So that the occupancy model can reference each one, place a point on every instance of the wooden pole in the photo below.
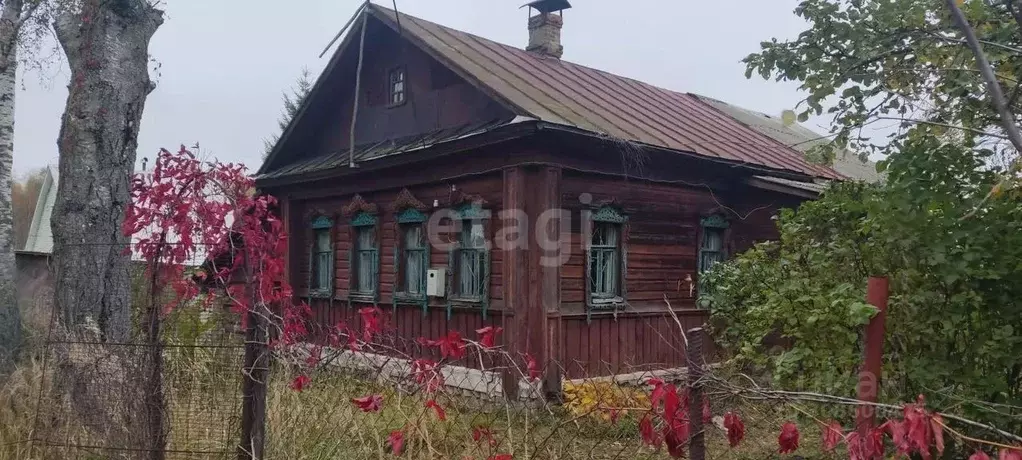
(869, 376)
(694, 358)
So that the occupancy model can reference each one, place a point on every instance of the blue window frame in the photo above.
(605, 260)
(712, 248)
(365, 257)
(321, 258)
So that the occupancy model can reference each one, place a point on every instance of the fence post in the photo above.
(255, 374)
(869, 376)
(694, 360)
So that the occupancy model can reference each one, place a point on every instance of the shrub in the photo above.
(951, 245)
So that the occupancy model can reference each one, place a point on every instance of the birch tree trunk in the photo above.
(10, 317)
(106, 43)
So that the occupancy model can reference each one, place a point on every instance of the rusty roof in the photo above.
(561, 92)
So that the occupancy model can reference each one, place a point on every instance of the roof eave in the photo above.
(503, 133)
(752, 168)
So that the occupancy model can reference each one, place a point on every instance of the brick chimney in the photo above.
(545, 27)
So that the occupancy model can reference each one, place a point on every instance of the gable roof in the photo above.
(40, 237)
(800, 138)
(564, 94)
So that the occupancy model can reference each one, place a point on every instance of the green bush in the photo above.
(953, 253)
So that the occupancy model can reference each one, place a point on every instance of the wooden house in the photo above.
(560, 202)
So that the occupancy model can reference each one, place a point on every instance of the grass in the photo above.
(320, 422)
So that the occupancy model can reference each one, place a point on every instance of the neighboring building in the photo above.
(33, 260)
(40, 237)
(461, 142)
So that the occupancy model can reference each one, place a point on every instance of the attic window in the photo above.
(396, 83)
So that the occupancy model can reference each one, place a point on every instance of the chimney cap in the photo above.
(548, 6)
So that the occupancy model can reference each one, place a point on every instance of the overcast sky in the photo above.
(224, 63)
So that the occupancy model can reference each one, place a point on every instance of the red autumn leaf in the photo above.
(1009, 454)
(676, 433)
(897, 430)
(397, 441)
(452, 346)
(937, 426)
(530, 364)
(500, 457)
(615, 414)
(488, 335)
(315, 356)
(672, 404)
(427, 373)
(371, 403)
(300, 382)
(918, 431)
(735, 428)
(440, 412)
(648, 432)
(979, 455)
(869, 448)
(480, 434)
(788, 439)
(832, 435)
(707, 414)
(371, 317)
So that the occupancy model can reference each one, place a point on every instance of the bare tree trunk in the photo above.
(106, 43)
(10, 317)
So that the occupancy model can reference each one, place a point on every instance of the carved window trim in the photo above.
(615, 222)
(321, 223)
(409, 213)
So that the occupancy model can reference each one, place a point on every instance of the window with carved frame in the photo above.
(321, 258)
(365, 257)
(605, 259)
(470, 255)
(712, 249)
(411, 255)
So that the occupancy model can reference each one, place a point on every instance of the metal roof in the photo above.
(375, 150)
(800, 138)
(560, 92)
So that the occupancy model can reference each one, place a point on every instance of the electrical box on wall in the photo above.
(436, 281)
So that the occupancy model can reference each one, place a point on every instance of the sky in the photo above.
(221, 65)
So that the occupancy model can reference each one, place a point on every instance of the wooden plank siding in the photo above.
(663, 231)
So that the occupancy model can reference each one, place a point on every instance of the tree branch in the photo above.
(996, 94)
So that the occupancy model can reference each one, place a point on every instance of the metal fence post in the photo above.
(694, 360)
(869, 376)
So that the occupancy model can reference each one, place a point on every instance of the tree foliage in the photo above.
(954, 258)
(292, 102)
(900, 63)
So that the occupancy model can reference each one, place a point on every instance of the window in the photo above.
(396, 83)
(412, 257)
(470, 257)
(605, 259)
(365, 260)
(321, 258)
(711, 248)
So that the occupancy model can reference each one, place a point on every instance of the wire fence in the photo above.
(212, 384)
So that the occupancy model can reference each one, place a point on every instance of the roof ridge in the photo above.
(557, 91)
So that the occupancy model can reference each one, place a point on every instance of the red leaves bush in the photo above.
(788, 439)
(735, 428)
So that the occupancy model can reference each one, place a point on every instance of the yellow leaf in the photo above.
(788, 117)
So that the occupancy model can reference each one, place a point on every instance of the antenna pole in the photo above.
(358, 85)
